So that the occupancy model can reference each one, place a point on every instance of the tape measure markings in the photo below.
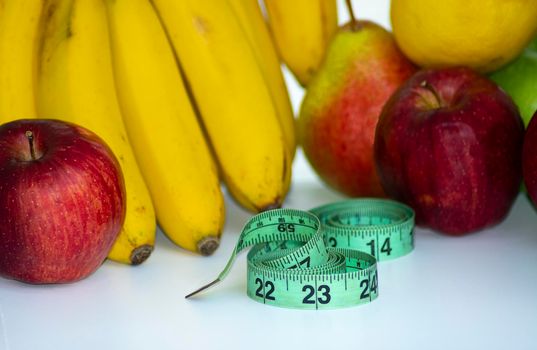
(317, 259)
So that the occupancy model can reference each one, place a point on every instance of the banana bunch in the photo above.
(187, 94)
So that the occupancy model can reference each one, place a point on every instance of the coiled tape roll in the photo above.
(324, 258)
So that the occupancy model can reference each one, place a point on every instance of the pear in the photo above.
(362, 68)
(519, 80)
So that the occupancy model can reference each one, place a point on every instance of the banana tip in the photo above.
(140, 254)
(208, 245)
(274, 205)
(270, 207)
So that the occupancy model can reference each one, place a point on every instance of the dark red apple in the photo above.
(62, 201)
(529, 159)
(449, 144)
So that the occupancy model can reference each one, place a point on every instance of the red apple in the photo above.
(529, 159)
(448, 143)
(62, 201)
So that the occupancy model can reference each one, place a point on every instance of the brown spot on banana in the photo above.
(201, 25)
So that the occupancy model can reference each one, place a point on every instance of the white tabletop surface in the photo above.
(472, 292)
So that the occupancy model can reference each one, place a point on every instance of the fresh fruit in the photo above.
(234, 101)
(301, 30)
(482, 34)
(76, 84)
(529, 160)
(62, 201)
(519, 80)
(253, 23)
(19, 33)
(166, 137)
(449, 144)
(363, 67)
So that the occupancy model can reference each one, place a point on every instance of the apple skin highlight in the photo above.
(363, 67)
(448, 143)
(61, 212)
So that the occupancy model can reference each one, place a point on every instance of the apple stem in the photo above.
(353, 22)
(425, 84)
(30, 136)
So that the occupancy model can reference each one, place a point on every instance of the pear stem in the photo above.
(30, 136)
(351, 13)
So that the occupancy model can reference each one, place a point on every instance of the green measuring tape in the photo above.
(325, 258)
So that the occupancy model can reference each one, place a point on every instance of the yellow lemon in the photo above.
(482, 34)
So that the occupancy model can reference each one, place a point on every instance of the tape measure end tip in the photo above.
(202, 288)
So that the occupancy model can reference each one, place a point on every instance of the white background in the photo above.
(473, 292)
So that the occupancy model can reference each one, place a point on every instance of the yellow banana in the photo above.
(233, 99)
(302, 30)
(166, 137)
(252, 21)
(75, 83)
(19, 32)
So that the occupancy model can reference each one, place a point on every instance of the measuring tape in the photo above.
(324, 258)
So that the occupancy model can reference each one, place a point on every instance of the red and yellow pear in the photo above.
(340, 110)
